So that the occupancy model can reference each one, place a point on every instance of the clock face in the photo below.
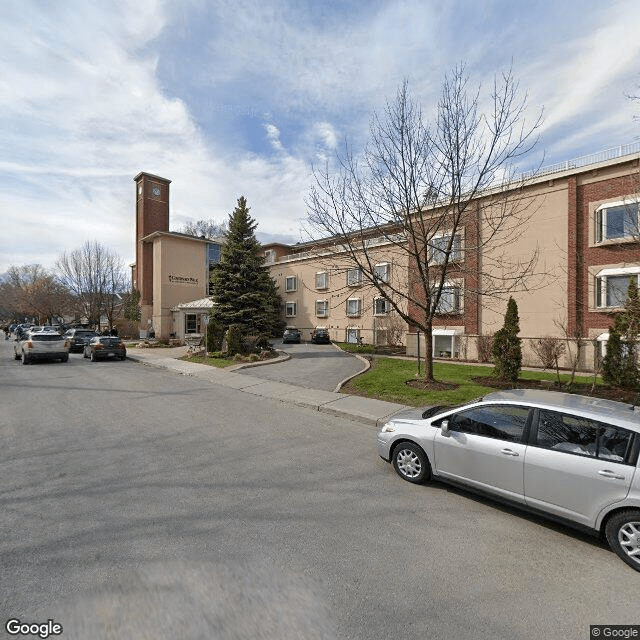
(155, 191)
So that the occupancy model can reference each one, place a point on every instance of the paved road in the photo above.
(138, 503)
(314, 366)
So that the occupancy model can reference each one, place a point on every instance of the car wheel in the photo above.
(623, 535)
(65, 358)
(411, 463)
(16, 356)
(25, 358)
(93, 357)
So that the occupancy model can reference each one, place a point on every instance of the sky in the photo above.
(244, 97)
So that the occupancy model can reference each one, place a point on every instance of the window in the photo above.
(583, 437)
(616, 221)
(213, 253)
(499, 422)
(381, 272)
(354, 277)
(190, 323)
(291, 283)
(322, 280)
(322, 308)
(353, 307)
(380, 306)
(449, 300)
(611, 286)
(438, 247)
(290, 309)
(269, 256)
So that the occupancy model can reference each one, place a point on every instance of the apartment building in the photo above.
(582, 230)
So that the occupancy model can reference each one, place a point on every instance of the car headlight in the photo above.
(388, 428)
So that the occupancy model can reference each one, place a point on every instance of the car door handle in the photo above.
(610, 474)
(509, 452)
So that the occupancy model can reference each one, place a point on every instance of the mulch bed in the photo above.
(599, 391)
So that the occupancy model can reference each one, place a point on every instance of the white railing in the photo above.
(584, 161)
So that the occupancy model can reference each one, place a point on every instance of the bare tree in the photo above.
(209, 229)
(96, 277)
(32, 291)
(444, 196)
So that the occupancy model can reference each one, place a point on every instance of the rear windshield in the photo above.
(45, 337)
(110, 342)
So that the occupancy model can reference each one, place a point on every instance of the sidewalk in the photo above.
(366, 410)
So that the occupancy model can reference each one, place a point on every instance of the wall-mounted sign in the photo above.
(183, 280)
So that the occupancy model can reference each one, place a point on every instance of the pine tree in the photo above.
(507, 351)
(245, 294)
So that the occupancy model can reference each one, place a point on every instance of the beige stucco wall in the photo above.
(180, 274)
(543, 308)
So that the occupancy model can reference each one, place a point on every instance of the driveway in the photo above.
(313, 366)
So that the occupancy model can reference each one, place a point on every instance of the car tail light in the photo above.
(121, 345)
(28, 344)
(98, 346)
(67, 344)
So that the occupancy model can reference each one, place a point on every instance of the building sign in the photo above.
(182, 280)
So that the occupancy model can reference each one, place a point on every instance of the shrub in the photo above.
(549, 350)
(485, 348)
(234, 340)
(507, 351)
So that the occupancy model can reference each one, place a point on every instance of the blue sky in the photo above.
(243, 97)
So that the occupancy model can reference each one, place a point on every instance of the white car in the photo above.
(570, 457)
(41, 345)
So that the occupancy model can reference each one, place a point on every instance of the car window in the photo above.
(583, 437)
(46, 337)
(503, 422)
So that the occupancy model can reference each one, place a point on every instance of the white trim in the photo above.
(617, 203)
(447, 332)
(618, 271)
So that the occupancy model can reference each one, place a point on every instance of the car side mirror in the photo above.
(444, 428)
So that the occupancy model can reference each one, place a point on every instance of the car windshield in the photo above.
(45, 336)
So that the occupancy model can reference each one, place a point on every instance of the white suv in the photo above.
(570, 457)
(41, 345)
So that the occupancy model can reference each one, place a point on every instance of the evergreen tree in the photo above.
(245, 294)
(620, 364)
(507, 351)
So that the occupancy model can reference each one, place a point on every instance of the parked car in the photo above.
(103, 347)
(569, 457)
(79, 338)
(320, 335)
(41, 345)
(291, 334)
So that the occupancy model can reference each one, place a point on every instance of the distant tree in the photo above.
(131, 305)
(210, 229)
(32, 291)
(620, 363)
(507, 350)
(245, 294)
(96, 277)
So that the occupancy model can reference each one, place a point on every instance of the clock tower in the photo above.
(152, 214)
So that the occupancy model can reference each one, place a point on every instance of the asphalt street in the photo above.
(139, 503)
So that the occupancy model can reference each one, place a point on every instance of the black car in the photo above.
(320, 335)
(103, 347)
(291, 334)
(79, 338)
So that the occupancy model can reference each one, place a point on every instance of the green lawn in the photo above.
(387, 379)
(220, 363)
